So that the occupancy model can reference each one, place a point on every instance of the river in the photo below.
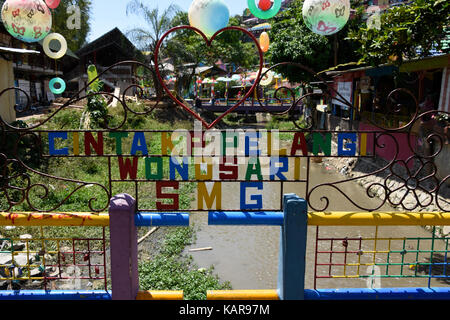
(247, 256)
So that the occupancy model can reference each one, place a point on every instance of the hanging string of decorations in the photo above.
(63, 46)
(31, 21)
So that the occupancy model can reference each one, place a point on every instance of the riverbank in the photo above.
(377, 177)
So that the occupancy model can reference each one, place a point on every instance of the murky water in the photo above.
(247, 256)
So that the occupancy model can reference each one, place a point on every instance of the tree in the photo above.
(66, 11)
(157, 23)
(407, 32)
(187, 49)
(292, 41)
(146, 38)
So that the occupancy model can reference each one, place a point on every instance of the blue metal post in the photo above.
(293, 235)
(242, 218)
(156, 219)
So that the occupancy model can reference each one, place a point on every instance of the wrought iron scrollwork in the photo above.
(17, 185)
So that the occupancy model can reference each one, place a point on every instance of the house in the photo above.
(111, 48)
(368, 88)
(26, 66)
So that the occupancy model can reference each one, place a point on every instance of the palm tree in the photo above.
(146, 38)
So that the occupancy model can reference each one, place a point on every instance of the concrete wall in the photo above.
(7, 100)
(389, 151)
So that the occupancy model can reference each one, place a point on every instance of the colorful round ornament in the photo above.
(62, 85)
(52, 4)
(264, 41)
(208, 15)
(326, 17)
(27, 20)
(258, 10)
(46, 46)
(265, 5)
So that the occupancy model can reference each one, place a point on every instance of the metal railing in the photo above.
(343, 258)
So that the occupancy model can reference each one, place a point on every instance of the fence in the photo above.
(346, 257)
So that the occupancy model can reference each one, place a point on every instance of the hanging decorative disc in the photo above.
(262, 10)
(63, 46)
(52, 85)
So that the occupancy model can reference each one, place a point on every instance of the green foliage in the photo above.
(292, 41)
(147, 37)
(158, 23)
(166, 271)
(97, 106)
(76, 38)
(188, 50)
(66, 120)
(404, 30)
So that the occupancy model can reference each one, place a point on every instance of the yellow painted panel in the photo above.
(160, 295)
(242, 295)
(61, 219)
(379, 218)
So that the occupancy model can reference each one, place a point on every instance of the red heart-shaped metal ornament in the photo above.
(208, 43)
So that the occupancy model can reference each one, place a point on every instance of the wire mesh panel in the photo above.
(38, 259)
(382, 258)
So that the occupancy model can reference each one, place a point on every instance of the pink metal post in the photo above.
(123, 237)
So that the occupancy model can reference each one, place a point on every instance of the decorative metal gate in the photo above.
(251, 159)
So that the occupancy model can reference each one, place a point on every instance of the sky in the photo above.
(108, 14)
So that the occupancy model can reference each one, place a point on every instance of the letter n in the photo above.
(90, 141)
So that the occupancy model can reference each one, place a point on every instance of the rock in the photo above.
(390, 184)
(37, 283)
(36, 272)
(18, 246)
(5, 258)
(410, 202)
(21, 259)
(26, 237)
(424, 198)
(55, 272)
(446, 230)
(4, 285)
(3, 244)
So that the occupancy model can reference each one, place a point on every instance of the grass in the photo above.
(170, 271)
(283, 123)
